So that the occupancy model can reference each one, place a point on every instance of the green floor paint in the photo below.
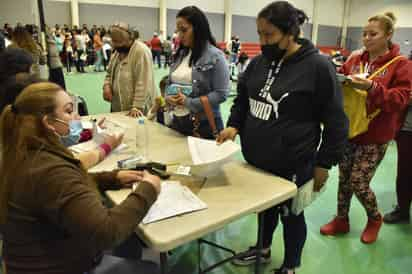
(322, 255)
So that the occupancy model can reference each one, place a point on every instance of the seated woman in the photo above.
(199, 69)
(51, 215)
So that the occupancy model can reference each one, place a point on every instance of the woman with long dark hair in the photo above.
(199, 69)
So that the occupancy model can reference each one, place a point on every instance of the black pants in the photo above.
(69, 61)
(79, 61)
(56, 76)
(156, 55)
(404, 176)
(294, 226)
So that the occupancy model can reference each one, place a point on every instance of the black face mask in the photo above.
(122, 49)
(272, 52)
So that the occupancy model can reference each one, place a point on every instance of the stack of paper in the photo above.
(208, 156)
(174, 199)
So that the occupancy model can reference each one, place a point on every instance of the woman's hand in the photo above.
(135, 112)
(320, 177)
(107, 93)
(100, 123)
(181, 99)
(227, 134)
(173, 100)
(360, 83)
(153, 180)
(128, 177)
(113, 140)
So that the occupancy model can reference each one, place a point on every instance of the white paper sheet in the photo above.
(208, 157)
(174, 199)
(304, 197)
(208, 151)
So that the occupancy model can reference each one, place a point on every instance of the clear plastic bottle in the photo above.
(142, 138)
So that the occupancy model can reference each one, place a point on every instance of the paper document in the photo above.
(174, 199)
(305, 196)
(208, 151)
(208, 157)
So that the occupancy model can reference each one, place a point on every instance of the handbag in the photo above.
(354, 104)
(210, 117)
(191, 124)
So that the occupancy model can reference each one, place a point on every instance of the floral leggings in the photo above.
(356, 170)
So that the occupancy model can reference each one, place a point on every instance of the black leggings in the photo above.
(294, 226)
(294, 232)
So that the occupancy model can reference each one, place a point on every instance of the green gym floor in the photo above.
(391, 254)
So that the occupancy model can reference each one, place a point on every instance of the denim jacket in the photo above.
(210, 76)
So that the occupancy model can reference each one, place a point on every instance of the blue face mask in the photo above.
(73, 137)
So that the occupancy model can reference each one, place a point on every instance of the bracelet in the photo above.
(106, 148)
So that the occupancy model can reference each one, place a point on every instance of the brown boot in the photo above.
(370, 234)
(339, 225)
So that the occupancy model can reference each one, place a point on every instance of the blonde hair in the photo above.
(19, 124)
(388, 21)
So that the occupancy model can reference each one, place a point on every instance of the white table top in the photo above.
(237, 190)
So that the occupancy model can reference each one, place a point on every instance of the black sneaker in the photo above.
(396, 217)
(248, 257)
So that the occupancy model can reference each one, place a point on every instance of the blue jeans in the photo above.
(156, 56)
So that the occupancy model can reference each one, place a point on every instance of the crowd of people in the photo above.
(289, 113)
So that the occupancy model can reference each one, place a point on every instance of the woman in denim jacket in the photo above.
(199, 69)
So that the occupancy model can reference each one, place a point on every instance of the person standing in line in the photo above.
(388, 92)
(129, 84)
(284, 97)
(199, 69)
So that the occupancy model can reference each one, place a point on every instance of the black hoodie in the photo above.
(281, 130)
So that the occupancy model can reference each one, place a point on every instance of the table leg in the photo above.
(259, 243)
(163, 263)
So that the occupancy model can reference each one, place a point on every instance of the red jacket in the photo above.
(389, 93)
(156, 44)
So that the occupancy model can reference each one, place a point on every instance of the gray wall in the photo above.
(57, 13)
(354, 40)
(216, 21)
(146, 20)
(329, 35)
(402, 34)
(13, 11)
(245, 27)
(307, 31)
